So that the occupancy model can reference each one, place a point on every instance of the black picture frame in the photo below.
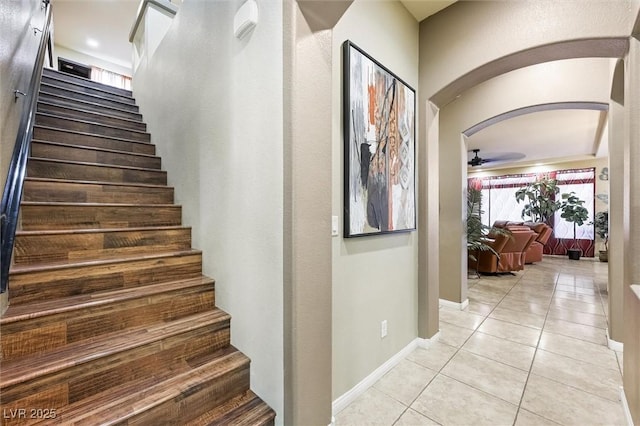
(379, 115)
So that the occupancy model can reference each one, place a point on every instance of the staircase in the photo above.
(110, 319)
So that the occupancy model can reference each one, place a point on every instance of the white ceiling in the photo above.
(108, 22)
(541, 136)
(544, 136)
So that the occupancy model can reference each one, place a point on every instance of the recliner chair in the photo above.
(511, 250)
(536, 249)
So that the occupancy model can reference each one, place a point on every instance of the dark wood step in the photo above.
(58, 190)
(246, 409)
(90, 154)
(62, 246)
(71, 170)
(88, 90)
(88, 106)
(45, 281)
(90, 116)
(173, 401)
(53, 134)
(72, 94)
(76, 371)
(84, 81)
(89, 127)
(37, 327)
(37, 216)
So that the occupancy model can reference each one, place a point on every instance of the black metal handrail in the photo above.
(17, 169)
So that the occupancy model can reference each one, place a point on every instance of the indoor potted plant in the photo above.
(573, 211)
(477, 232)
(601, 223)
(540, 203)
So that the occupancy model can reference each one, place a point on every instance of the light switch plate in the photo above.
(334, 226)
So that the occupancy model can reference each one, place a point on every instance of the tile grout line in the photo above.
(457, 349)
(526, 382)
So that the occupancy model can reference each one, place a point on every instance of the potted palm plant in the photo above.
(539, 199)
(601, 223)
(573, 211)
(478, 232)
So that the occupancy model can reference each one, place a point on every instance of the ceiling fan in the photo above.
(507, 156)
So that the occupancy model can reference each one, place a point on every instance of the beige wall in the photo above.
(631, 376)
(374, 278)
(458, 44)
(214, 109)
(448, 69)
(619, 201)
(18, 49)
(478, 104)
(307, 220)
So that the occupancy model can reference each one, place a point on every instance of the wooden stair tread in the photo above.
(98, 98)
(243, 410)
(119, 404)
(88, 88)
(92, 104)
(42, 364)
(54, 266)
(52, 307)
(85, 163)
(89, 112)
(83, 204)
(58, 75)
(76, 120)
(95, 182)
(93, 148)
(110, 319)
(76, 132)
(99, 230)
(94, 116)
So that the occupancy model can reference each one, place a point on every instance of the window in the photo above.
(498, 197)
(582, 182)
(111, 78)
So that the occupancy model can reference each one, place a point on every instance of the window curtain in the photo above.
(582, 182)
(111, 78)
(499, 203)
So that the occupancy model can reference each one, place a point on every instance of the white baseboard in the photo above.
(426, 343)
(333, 421)
(625, 407)
(613, 344)
(455, 305)
(352, 394)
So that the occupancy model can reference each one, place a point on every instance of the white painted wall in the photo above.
(375, 277)
(153, 26)
(214, 109)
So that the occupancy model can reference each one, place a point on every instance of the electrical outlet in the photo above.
(383, 329)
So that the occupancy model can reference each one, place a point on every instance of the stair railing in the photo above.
(17, 169)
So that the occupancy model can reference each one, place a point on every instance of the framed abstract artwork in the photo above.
(379, 147)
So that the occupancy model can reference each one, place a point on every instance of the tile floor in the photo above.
(530, 349)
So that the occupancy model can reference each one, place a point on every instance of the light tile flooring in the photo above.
(530, 349)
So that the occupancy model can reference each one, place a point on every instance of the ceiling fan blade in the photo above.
(505, 156)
